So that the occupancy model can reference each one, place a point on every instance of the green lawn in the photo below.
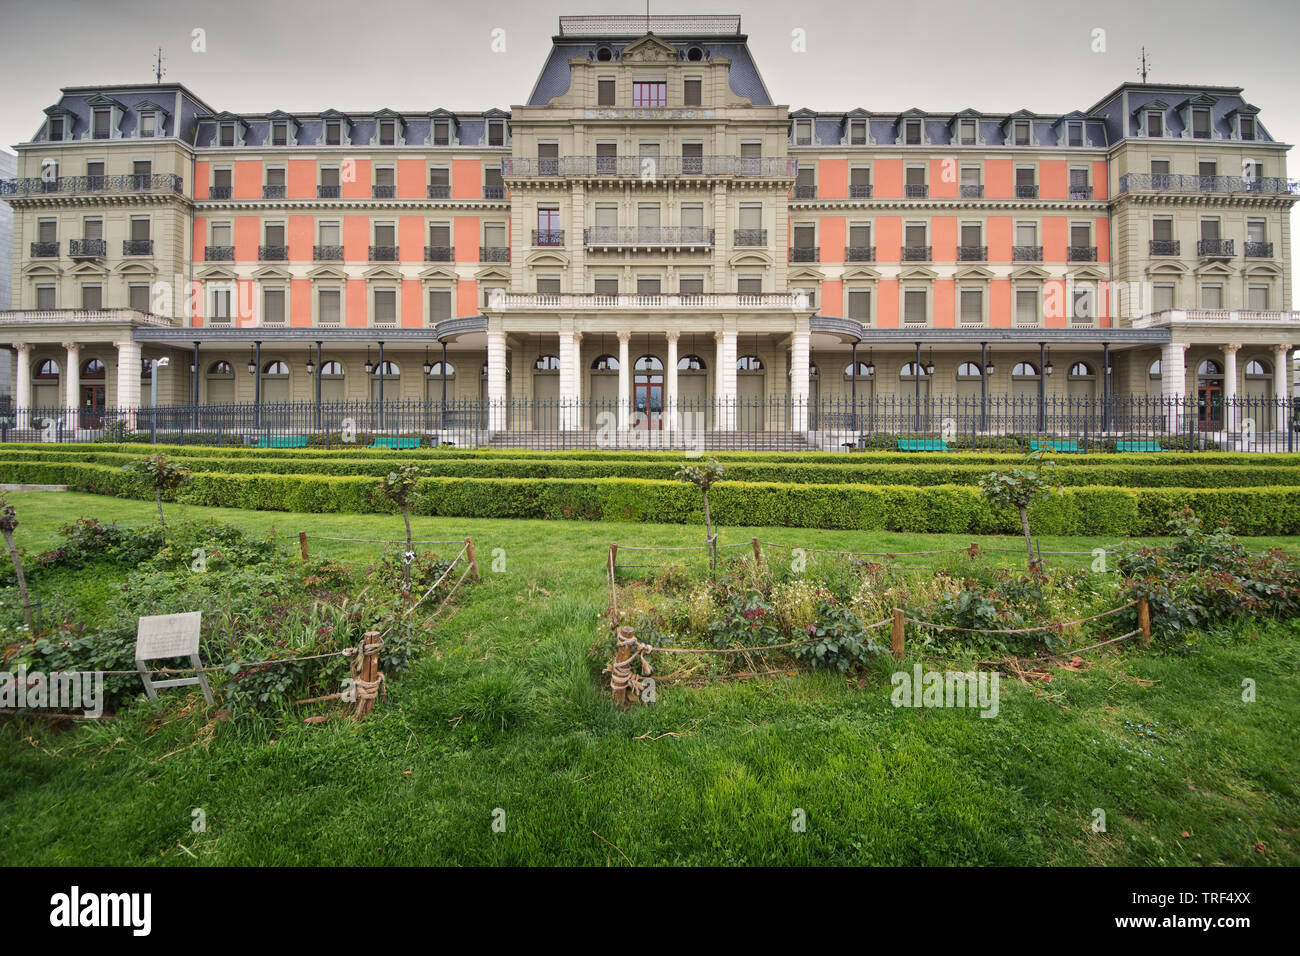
(505, 713)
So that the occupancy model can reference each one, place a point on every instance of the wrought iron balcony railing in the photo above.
(1165, 247)
(762, 167)
(274, 191)
(45, 250)
(805, 192)
(972, 191)
(137, 247)
(1026, 253)
(1258, 250)
(1081, 254)
(438, 253)
(494, 254)
(1172, 183)
(1080, 192)
(88, 248)
(972, 253)
(219, 254)
(383, 191)
(327, 192)
(860, 191)
(916, 253)
(220, 192)
(1026, 191)
(548, 237)
(273, 253)
(1216, 248)
(749, 237)
(69, 185)
(439, 191)
(805, 254)
(647, 236)
(494, 192)
(916, 190)
(327, 253)
(383, 253)
(860, 253)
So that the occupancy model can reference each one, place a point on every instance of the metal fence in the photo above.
(838, 424)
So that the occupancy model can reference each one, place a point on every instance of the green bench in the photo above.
(282, 441)
(922, 444)
(1068, 444)
(396, 444)
(1138, 446)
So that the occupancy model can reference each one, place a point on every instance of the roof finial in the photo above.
(1144, 65)
(158, 70)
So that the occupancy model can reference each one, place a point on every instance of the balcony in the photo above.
(383, 191)
(1026, 191)
(632, 167)
(439, 254)
(219, 254)
(548, 237)
(327, 253)
(749, 237)
(1026, 253)
(1081, 254)
(806, 254)
(111, 185)
(916, 191)
(1258, 250)
(1165, 247)
(860, 191)
(439, 191)
(273, 253)
(274, 191)
(327, 192)
(219, 192)
(45, 250)
(647, 236)
(916, 253)
(972, 191)
(1080, 192)
(972, 253)
(805, 192)
(1216, 248)
(82, 317)
(638, 302)
(1170, 183)
(137, 247)
(1270, 317)
(860, 254)
(87, 248)
(494, 192)
(494, 254)
(383, 253)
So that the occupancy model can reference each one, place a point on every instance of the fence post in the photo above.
(620, 674)
(896, 635)
(302, 544)
(613, 559)
(758, 554)
(473, 561)
(368, 683)
(1144, 619)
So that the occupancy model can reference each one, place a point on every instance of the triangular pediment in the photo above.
(649, 49)
(382, 272)
(1030, 272)
(973, 272)
(272, 272)
(327, 272)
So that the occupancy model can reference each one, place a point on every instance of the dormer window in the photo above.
(857, 132)
(333, 133)
(1074, 134)
(387, 133)
(226, 134)
(441, 132)
(148, 124)
(280, 134)
(56, 128)
(1155, 123)
(968, 132)
(604, 54)
(1020, 133)
(496, 132)
(1247, 127)
(803, 133)
(101, 120)
(912, 132)
(1200, 123)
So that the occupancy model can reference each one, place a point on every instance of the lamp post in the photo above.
(154, 366)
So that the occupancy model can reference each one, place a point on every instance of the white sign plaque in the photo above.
(170, 635)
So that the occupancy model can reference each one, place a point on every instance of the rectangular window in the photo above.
(92, 297)
(690, 285)
(649, 94)
(440, 234)
(273, 307)
(148, 124)
(137, 296)
(496, 133)
(328, 307)
(275, 177)
(1257, 298)
(220, 234)
(1026, 307)
(56, 128)
(330, 234)
(606, 285)
(914, 234)
(692, 92)
(1026, 234)
(441, 132)
(45, 297)
(333, 133)
(385, 307)
(439, 305)
(280, 134)
(860, 182)
(221, 305)
(275, 234)
(606, 215)
(548, 285)
(1211, 296)
(329, 177)
(1159, 167)
(47, 230)
(647, 215)
(803, 133)
(1200, 124)
(858, 133)
(1162, 230)
(494, 235)
(968, 132)
(221, 180)
(914, 306)
(972, 307)
(1155, 124)
(860, 235)
(140, 228)
(1080, 234)
(647, 285)
(912, 132)
(385, 176)
(605, 92)
(92, 228)
(1248, 127)
(1256, 230)
(385, 234)
(1021, 135)
(972, 234)
(749, 285)
(387, 133)
(1209, 229)
(692, 217)
(860, 305)
(1075, 135)
(1207, 167)
(751, 216)
(805, 236)
(1162, 297)
(100, 122)
(226, 135)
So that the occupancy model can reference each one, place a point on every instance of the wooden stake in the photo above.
(1144, 619)
(302, 544)
(473, 561)
(622, 653)
(613, 560)
(370, 645)
(896, 635)
(758, 553)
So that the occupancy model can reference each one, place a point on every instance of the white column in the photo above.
(1230, 416)
(624, 379)
(670, 422)
(1281, 387)
(725, 376)
(128, 380)
(799, 381)
(72, 376)
(496, 358)
(23, 376)
(1173, 384)
(570, 381)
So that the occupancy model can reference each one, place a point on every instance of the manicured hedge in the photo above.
(940, 508)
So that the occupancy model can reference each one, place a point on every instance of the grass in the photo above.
(506, 715)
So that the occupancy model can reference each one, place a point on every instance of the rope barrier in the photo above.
(1020, 630)
(325, 537)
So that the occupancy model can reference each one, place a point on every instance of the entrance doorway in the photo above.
(648, 392)
(1209, 397)
(93, 394)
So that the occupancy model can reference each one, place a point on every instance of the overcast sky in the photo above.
(993, 55)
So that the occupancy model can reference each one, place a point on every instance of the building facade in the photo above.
(649, 231)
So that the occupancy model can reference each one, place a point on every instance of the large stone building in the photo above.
(649, 230)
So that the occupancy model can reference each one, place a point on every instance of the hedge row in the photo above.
(920, 473)
(941, 508)
(49, 450)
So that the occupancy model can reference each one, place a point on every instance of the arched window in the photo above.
(911, 370)
(1256, 367)
(648, 363)
(544, 363)
(47, 369)
(695, 54)
(275, 368)
(331, 368)
(605, 363)
(482, 372)
(1209, 367)
(1025, 370)
(93, 369)
(968, 370)
(691, 363)
(1154, 370)
(1081, 370)
(862, 370)
(221, 368)
(387, 370)
(436, 370)
(749, 363)
(604, 54)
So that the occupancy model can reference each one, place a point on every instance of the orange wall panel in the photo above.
(1053, 179)
(944, 298)
(358, 304)
(999, 236)
(943, 238)
(300, 304)
(248, 236)
(998, 179)
(887, 178)
(832, 302)
(1101, 229)
(247, 179)
(301, 179)
(1055, 237)
(832, 229)
(887, 304)
(944, 174)
(466, 179)
(412, 304)
(1100, 185)
(833, 178)
(301, 236)
(410, 239)
(202, 176)
(465, 235)
(200, 240)
(889, 239)
(1000, 303)
(354, 179)
(467, 297)
(1056, 303)
(410, 179)
(356, 238)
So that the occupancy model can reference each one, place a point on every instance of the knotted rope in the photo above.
(621, 677)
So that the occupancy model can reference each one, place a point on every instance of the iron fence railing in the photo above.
(1170, 182)
(648, 167)
(1001, 423)
(126, 183)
